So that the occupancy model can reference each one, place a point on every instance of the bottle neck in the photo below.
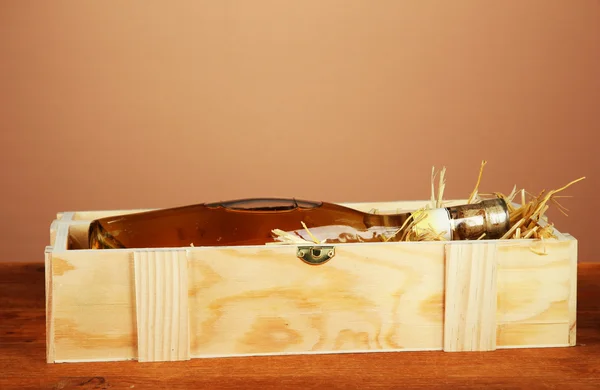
(487, 219)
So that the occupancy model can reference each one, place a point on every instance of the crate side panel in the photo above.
(78, 235)
(535, 288)
(53, 232)
(49, 305)
(573, 293)
(94, 306)
(250, 301)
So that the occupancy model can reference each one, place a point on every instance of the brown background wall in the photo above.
(152, 104)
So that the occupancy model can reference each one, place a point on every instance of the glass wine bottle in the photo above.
(252, 222)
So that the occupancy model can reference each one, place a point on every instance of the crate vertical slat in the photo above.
(161, 281)
(470, 299)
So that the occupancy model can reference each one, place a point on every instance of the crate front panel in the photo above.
(267, 301)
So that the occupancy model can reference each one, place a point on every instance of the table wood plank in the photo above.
(23, 365)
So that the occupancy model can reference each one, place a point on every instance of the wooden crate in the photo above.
(199, 302)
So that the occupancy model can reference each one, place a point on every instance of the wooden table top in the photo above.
(23, 364)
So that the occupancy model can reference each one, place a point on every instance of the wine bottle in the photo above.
(252, 221)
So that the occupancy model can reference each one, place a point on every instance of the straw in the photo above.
(315, 239)
(531, 215)
(474, 196)
(528, 220)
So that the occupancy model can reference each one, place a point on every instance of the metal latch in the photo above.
(315, 255)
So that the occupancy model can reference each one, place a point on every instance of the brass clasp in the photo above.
(315, 255)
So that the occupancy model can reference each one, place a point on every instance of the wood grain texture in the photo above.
(252, 301)
(94, 306)
(23, 363)
(470, 297)
(161, 283)
(536, 293)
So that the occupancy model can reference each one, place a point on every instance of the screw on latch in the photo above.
(315, 255)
